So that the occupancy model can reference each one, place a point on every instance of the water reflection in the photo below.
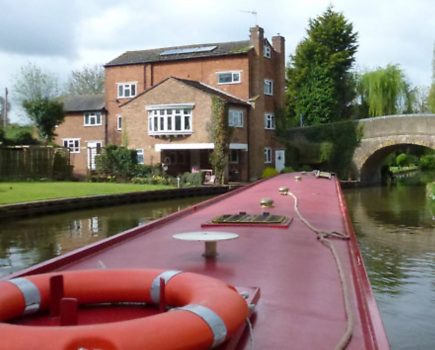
(395, 229)
(25, 242)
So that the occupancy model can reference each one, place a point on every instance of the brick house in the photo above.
(84, 130)
(178, 83)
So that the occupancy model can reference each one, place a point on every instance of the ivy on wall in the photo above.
(221, 135)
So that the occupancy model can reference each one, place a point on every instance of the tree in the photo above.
(88, 81)
(385, 91)
(37, 92)
(320, 87)
(46, 114)
(34, 84)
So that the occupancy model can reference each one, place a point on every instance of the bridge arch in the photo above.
(369, 168)
(384, 135)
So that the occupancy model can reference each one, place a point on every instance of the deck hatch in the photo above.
(244, 218)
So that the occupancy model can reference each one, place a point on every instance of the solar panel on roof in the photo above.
(182, 51)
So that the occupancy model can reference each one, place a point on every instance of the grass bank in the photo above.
(18, 192)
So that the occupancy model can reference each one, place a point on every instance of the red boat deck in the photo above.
(301, 304)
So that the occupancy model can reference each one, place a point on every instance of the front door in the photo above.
(94, 149)
(279, 160)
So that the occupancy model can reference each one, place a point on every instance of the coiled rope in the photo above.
(323, 236)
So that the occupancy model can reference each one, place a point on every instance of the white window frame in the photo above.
(126, 89)
(92, 119)
(268, 87)
(163, 119)
(119, 122)
(267, 155)
(235, 117)
(235, 77)
(140, 156)
(73, 144)
(269, 121)
(267, 51)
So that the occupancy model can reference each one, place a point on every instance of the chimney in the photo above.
(278, 44)
(256, 38)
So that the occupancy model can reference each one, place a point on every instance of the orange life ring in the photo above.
(206, 311)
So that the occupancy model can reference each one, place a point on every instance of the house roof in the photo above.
(213, 91)
(82, 103)
(181, 53)
(197, 85)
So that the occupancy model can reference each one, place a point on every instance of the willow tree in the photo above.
(385, 91)
(320, 86)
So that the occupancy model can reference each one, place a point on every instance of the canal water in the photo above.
(395, 228)
(28, 241)
(396, 232)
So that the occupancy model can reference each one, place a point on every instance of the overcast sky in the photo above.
(60, 36)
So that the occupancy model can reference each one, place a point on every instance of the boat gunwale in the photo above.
(371, 320)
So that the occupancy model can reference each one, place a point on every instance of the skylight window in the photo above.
(182, 51)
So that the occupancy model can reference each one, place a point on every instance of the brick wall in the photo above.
(73, 127)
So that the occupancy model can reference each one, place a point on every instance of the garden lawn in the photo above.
(16, 192)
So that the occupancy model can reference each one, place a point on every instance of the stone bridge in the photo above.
(382, 136)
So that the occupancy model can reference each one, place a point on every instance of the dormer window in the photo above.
(126, 90)
(229, 77)
(267, 51)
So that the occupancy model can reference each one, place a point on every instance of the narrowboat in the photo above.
(271, 265)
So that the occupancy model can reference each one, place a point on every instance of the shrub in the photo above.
(427, 162)
(269, 172)
(287, 169)
(117, 161)
(191, 179)
(402, 160)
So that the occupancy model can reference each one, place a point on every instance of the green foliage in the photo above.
(320, 87)
(402, 159)
(430, 191)
(34, 84)
(405, 159)
(287, 169)
(191, 179)
(327, 147)
(19, 135)
(117, 161)
(221, 136)
(385, 91)
(87, 81)
(2, 136)
(269, 172)
(144, 170)
(427, 161)
(46, 114)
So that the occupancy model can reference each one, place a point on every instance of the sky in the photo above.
(61, 36)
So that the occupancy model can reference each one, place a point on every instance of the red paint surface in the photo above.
(301, 305)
